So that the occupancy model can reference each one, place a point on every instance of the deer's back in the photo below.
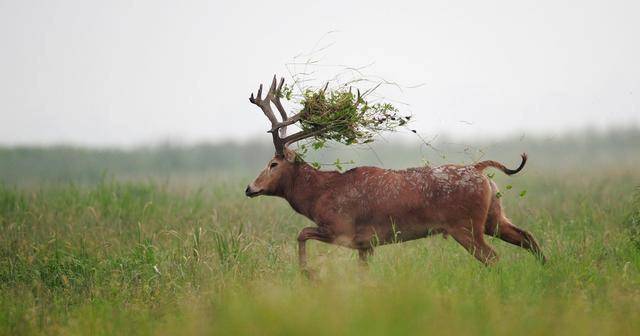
(421, 194)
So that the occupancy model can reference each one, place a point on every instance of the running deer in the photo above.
(368, 206)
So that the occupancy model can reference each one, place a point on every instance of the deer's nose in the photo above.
(247, 191)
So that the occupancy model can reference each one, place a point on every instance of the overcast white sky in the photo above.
(130, 72)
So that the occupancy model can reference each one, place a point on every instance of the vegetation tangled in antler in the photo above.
(336, 115)
(342, 116)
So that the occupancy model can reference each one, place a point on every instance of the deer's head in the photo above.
(274, 177)
(280, 168)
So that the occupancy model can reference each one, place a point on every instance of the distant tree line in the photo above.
(579, 151)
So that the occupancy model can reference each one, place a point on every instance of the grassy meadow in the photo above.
(163, 241)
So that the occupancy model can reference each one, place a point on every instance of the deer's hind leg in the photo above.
(514, 235)
(472, 239)
(497, 225)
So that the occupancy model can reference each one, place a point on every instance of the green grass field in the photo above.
(132, 256)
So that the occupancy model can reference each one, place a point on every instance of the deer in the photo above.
(366, 207)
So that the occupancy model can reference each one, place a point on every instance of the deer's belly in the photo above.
(388, 231)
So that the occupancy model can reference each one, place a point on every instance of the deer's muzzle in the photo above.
(251, 193)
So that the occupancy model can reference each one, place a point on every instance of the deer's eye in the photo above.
(273, 164)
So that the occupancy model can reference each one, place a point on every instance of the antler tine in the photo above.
(276, 101)
(304, 135)
(288, 121)
(272, 89)
(265, 106)
(280, 85)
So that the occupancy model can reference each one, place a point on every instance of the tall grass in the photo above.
(149, 258)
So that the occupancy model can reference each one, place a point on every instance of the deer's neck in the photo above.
(305, 187)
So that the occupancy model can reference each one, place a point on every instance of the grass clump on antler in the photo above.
(340, 115)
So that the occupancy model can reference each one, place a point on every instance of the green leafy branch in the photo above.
(342, 116)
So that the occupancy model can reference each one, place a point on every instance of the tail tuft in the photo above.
(511, 171)
(484, 164)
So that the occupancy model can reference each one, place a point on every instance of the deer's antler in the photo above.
(279, 128)
(265, 106)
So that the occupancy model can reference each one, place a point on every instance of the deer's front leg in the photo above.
(307, 233)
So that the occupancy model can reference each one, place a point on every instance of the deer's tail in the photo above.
(489, 163)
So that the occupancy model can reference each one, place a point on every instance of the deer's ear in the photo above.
(289, 155)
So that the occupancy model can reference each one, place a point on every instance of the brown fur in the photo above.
(367, 206)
